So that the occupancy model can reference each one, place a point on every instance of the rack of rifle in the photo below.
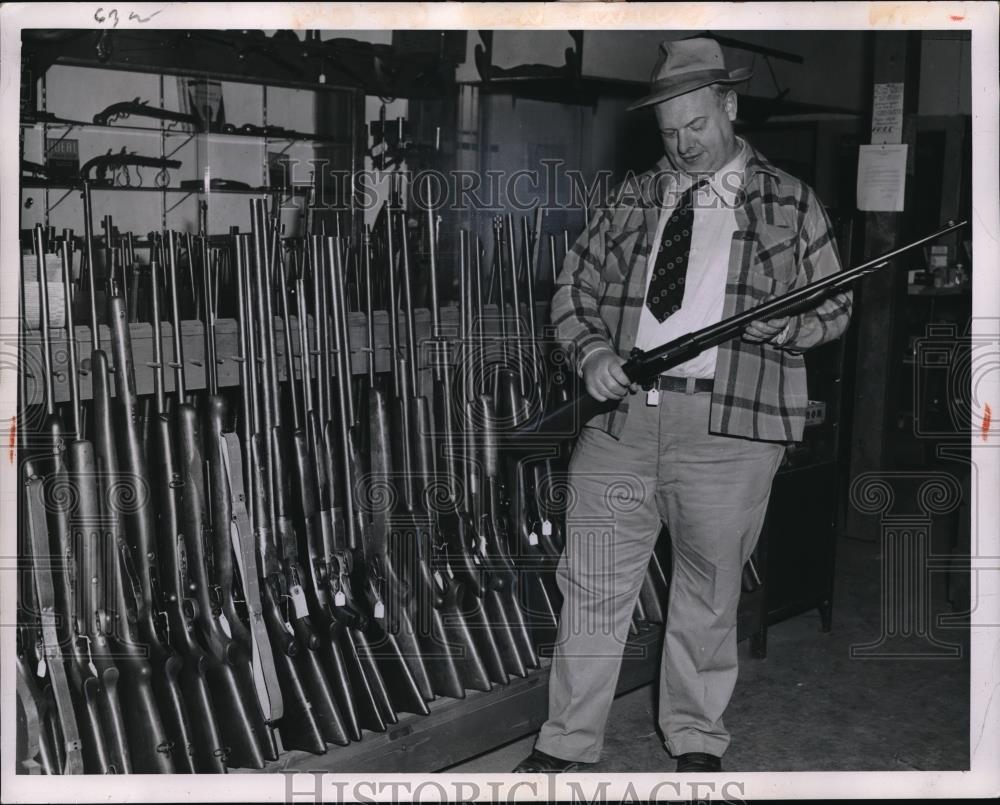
(217, 577)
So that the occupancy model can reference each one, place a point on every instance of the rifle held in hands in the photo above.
(565, 420)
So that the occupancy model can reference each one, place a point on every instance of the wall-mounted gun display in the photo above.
(118, 164)
(125, 109)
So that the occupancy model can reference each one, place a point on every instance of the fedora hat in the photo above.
(686, 65)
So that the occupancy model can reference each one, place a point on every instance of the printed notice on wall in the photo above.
(881, 178)
(887, 114)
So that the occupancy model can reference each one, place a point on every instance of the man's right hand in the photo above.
(604, 377)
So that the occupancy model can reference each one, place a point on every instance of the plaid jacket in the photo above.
(783, 240)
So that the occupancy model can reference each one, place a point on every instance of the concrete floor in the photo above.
(809, 706)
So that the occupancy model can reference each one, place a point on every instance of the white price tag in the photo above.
(224, 623)
(546, 527)
(379, 610)
(340, 599)
(40, 671)
(532, 538)
(653, 397)
(438, 579)
(451, 573)
(299, 601)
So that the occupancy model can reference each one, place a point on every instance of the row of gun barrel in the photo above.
(218, 575)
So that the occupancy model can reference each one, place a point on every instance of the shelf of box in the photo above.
(945, 291)
(173, 132)
(251, 191)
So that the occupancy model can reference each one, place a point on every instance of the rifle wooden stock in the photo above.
(98, 677)
(140, 528)
(502, 604)
(202, 729)
(81, 543)
(393, 574)
(120, 658)
(236, 723)
(321, 671)
(299, 726)
(51, 537)
(216, 416)
(453, 548)
(317, 493)
(447, 643)
(392, 681)
(514, 489)
(62, 701)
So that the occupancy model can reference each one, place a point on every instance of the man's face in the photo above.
(697, 130)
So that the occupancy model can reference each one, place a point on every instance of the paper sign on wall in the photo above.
(887, 114)
(881, 178)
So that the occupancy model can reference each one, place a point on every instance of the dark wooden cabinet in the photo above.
(796, 550)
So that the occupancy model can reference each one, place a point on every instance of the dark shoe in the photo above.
(698, 761)
(541, 763)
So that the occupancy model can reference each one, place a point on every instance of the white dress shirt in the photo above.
(708, 263)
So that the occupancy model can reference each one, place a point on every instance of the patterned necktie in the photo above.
(666, 287)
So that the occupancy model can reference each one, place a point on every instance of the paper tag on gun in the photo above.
(532, 538)
(546, 527)
(40, 671)
(299, 601)
(653, 397)
(379, 610)
(339, 599)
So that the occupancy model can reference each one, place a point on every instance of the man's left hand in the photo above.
(764, 329)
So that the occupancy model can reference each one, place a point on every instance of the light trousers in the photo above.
(712, 493)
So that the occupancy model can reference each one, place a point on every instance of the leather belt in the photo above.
(684, 385)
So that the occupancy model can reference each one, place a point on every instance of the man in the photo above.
(714, 230)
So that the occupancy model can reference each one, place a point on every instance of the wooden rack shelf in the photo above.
(228, 351)
(458, 729)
